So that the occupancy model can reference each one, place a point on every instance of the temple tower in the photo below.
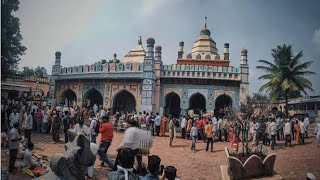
(56, 70)
(244, 67)
(149, 79)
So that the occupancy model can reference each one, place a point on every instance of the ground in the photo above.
(291, 162)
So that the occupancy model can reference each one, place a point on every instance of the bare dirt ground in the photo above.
(291, 163)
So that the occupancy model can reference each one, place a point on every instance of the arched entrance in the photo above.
(223, 103)
(123, 101)
(197, 103)
(69, 98)
(92, 97)
(172, 105)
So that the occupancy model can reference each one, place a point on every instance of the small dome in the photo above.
(244, 50)
(158, 48)
(205, 31)
(181, 43)
(226, 45)
(58, 54)
(150, 40)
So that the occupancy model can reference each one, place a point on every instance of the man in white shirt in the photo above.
(95, 108)
(215, 123)
(306, 122)
(273, 131)
(303, 130)
(157, 123)
(14, 118)
(183, 126)
(287, 132)
(102, 113)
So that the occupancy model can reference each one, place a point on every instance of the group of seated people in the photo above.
(125, 170)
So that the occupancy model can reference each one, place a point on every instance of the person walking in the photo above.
(306, 122)
(93, 130)
(287, 132)
(183, 126)
(171, 130)
(38, 119)
(194, 136)
(157, 123)
(189, 126)
(298, 132)
(66, 126)
(14, 117)
(273, 132)
(163, 126)
(303, 130)
(209, 135)
(317, 132)
(29, 125)
(14, 141)
(106, 131)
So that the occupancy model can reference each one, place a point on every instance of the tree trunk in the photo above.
(286, 96)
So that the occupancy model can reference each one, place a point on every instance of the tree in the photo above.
(11, 48)
(40, 72)
(26, 71)
(286, 74)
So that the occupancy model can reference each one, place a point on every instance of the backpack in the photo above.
(96, 128)
(176, 123)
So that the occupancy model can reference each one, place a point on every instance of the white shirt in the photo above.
(214, 120)
(14, 118)
(306, 121)
(272, 128)
(28, 160)
(287, 129)
(77, 128)
(317, 130)
(71, 112)
(45, 118)
(303, 127)
(135, 138)
(183, 122)
(102, 113)
(92, 127)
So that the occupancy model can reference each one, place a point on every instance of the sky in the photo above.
(87, 31)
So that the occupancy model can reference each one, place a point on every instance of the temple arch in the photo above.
(68, 97)
(172, 104)
(123, 101)
(222, 103)
(93, 96)
(197, 103)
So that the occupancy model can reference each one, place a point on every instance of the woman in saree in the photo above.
(56, 126)
(163, 126)
(298, 131)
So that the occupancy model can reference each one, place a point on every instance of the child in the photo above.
(194, 135)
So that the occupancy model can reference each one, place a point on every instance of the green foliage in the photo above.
(286, 74)
(40, 72)
(26, 71)
(11, 48)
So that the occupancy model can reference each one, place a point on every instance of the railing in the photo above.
(201, 74)
(103, 68)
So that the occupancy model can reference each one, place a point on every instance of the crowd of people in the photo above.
(27, 117)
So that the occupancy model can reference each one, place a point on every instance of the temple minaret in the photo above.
(244, 67)
(56, 71)
(149, 79)
(157, 70)
(226, 51)
(180, 52)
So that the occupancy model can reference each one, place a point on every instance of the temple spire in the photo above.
(139, 41)
(205, 22)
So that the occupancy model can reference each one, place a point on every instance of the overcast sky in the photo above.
(86, 31)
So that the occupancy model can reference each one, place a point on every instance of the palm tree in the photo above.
(286, 74)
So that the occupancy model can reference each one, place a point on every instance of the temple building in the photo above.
(200, 80)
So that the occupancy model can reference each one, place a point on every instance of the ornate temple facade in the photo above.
(200, 80)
